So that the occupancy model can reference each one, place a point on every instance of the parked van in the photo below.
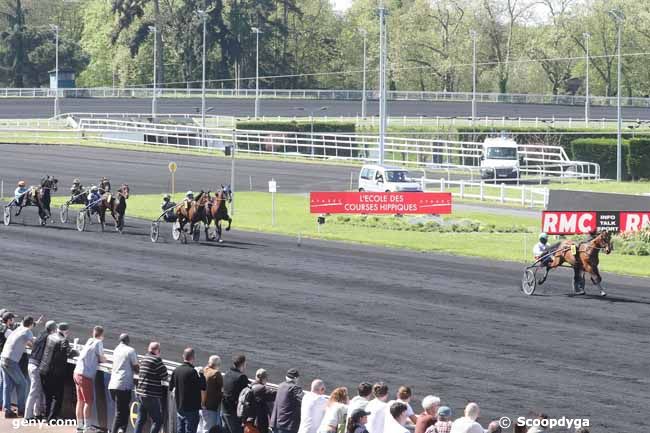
(381, 178)
(500, 159)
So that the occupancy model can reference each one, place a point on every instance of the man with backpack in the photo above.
(286, 411)
(256, 403)
(234, 382)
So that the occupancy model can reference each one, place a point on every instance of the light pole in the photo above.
(382, 80)
(204, 16)
(474, 36)
(618, 18)
(587, 37)
(153, 30)
(257, 71)
(55, 28)
(364, 33)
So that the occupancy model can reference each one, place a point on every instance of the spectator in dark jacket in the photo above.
(35, 406)
(263, 396)
(187, 385)
(150, 389)
(286, 411)
(53, 369)
(233, 383)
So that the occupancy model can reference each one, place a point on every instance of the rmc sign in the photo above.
(583, 222)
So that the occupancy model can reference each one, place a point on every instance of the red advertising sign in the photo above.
(380, 202)
(582, 222)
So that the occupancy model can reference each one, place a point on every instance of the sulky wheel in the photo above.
(7, 215)
(82, 220)
(155, 231)
(528, 282)
(176, 230)
(63, 213)
(196, 234)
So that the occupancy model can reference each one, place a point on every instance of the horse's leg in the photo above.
(597, 280)
(208, 221)
(102, 216)
(229, 223)
(218, 229)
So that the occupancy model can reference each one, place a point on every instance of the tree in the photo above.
(14, 61)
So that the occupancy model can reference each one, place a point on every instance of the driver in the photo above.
(189, 198)
(104, 185)
(21, 193)
(541, 250)
(76, 188)
(94, 198)
(168, 206)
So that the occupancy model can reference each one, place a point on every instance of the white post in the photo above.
(482, 191)
(587, 36)
(232, 170)
(503, 192)
(56, 72)
(474, 35)
(154, 30)
(619, 159)
(363, 94)
(442, 184)
(204, 16)
(462, 188)
(257, 71)
(382, 80)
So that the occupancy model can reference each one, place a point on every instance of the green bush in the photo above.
(420, 225)
(638, 160)
(601, 151)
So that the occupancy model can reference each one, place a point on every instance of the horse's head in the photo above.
(604, 241)
(124, 191)
(49, 182)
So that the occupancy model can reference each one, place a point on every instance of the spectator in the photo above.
(150, 389)
(35, 406)
(539, 416)
(13, 377)
(187, 385)
(6, 326)
(312, 408)
(404, 396)
(443, 421)
(468, 424)
(286, 411)
(233, 383)
(360, 401)
(396, 418)
(494, 427)
(211, 404)
(357, 421)
(336, 411)
(427, 418)
(263, 397)
(377, 408)
(53, 369)
(125, 364)
(85, 371)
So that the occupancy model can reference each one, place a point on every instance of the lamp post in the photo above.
(474, 36)
(618, 19)
(153, 30)
(382, 81)
(204, 17)
(587, 37)
(55, 28)
(364, 33)
(257, 32)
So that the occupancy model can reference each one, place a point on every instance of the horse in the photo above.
(116, 203)
(217, 211)
(41, 197)
(193, 213)
(583, 257)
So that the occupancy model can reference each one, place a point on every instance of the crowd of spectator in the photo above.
(206, 399)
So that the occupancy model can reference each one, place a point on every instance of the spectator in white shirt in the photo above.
(404, 396)
(468, 424)
(313, 407)
(377, 408)
(85, 371)
(125, 364)
(396, 418)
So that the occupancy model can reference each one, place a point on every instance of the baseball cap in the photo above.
(358, 413)
(7, 316)
(292, 373)
(50, 325)
(444, 411)
(63, 326)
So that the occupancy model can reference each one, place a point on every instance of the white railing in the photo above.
(343, 94)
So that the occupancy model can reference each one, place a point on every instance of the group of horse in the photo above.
(205, 209)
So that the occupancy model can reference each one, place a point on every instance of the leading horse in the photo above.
(217, 211)
(116, 203)
(193, 212)
(583, 257)
(41, 197)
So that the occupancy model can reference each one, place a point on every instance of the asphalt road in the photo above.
(42, 108)
(458, 328)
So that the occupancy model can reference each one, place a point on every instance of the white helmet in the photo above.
(189, 193)
(94, 188)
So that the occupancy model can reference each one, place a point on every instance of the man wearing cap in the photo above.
(125, 364)
(13, 376)
(443, 421)
(263, 396)
(35, 406)
(357, 421)
(427, 418)
(54, 370)
(168, 207)
(285, 417)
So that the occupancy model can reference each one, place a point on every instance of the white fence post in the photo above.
(442, 184)
(503, 192)
(462, 189)
(482, 191)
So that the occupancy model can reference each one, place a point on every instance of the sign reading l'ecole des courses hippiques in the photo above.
(380, 202)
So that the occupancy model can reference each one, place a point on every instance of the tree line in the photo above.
(523, 46)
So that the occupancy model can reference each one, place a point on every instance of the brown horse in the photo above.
(193, 212)
(217, 211)
(116, 203)
(41, 197)
(583, 257)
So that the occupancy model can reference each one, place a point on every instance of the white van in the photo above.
(381, 178)
(500, 159)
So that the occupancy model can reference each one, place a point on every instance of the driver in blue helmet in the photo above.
(168, 207)
(94, 198)
(541, 250)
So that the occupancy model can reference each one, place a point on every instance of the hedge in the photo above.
(603, 152)
(288, 140)
(638, 160)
